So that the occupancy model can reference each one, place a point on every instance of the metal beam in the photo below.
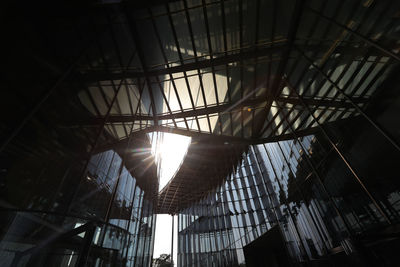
(362, 37)
(180, 131)
(212, 138)
(378, 127)
(222, 108)
(200, 64)
(135, 36)
(277, 85)
(323, 102)
(102, 75)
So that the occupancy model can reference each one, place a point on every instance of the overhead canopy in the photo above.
(226, 71)
(217, 67)
(204, 167)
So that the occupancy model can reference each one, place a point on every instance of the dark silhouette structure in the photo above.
(292, 106)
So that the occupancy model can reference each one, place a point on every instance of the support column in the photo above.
(172, 241)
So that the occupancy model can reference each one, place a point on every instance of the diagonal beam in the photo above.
(277, 85)
(211, 138)
(180, 131)
(199, 64)
(323, 102)
(135, 36)
(100, 75)
(222, 108)
(362, 37)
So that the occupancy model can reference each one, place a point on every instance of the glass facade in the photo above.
(69, 196)
(317, 190)
(108, 222)
(292, 107)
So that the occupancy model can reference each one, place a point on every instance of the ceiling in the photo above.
(228, 73)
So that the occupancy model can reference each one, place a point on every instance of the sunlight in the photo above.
(169, 150)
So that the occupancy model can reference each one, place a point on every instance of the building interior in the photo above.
(292, 108)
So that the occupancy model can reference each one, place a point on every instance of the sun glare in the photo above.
(169, 154)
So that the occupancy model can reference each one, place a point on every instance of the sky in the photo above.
(170, 153)
(162, 243)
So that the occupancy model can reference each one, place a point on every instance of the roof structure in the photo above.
(227, 72)
(204, 168)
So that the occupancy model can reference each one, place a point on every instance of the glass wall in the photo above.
(108, 221)
(75, 190)
(69, 196)
(214, 231)
(333, 195)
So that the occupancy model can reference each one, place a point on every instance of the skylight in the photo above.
(169, 150)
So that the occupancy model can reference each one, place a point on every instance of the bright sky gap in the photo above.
(169, 151)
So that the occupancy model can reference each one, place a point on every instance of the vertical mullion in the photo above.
(241, 63)
(103, 57)
(273, 24)
(196, 60)
(341, 75)
(181, 60)
(344, 159)
(118, 52)
(88, 60)
(377, 127)
(288, 208)
(134, 33)
(358, 69)
(276, 87)
(211, 58)
(226, 65)
(166, 100)
(139, 106)
(255, 66)
(355, 33)
(107, 104)
(166, 63)
(129, 101)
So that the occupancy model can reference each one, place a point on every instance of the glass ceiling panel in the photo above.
(123, 101)
(155, 57)
(226, 124)
(199, 30)
(249, 22)
(247, 117)
(204, 126)
(85, 100)
(260, 80)
(237, 123)
(183, 95)
(181, 27)
(133, 95)
(214, 123)
(215, 26)
(121, 131)
(192, 123)
(235, 83)
(145, 99)
(222, 85)
(98, 100)
(209, 90)
(331, 51)
(166, 36)
(232, 24)
(195, 89)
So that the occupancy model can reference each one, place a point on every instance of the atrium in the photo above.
(269, 129)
